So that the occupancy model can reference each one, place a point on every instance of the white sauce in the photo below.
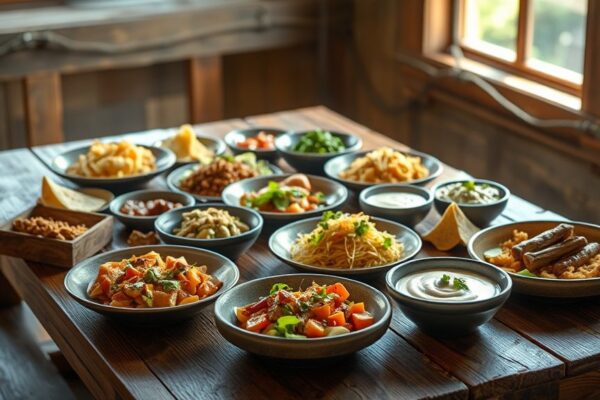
(396, 200)
(428, 285)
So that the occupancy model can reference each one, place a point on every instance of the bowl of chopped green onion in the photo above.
(308, 151)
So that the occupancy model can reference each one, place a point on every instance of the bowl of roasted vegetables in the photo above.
(151, 284)
(257, 140)
(228, 230)
(308, 151)
(302, 316)
(286, 197)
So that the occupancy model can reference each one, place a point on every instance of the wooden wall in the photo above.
(109, 102)
(368, 84)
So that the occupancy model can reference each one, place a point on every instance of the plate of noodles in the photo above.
(344, 244)
(383, 165)
(112, 165)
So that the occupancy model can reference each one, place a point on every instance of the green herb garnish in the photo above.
(327, 215)
(277, 287)
(445, 279)
(151, 275)
(469, 185)
(148, 299)
(168, 285)
(360, 228)
(459, 284)
(387, 242)
(320, 142)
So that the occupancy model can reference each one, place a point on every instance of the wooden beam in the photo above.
(206, 98)
(43, 108)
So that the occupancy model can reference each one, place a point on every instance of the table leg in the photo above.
(8, 295)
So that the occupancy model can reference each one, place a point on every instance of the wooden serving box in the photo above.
(60, 253)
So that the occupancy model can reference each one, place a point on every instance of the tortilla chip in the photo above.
(453, 228)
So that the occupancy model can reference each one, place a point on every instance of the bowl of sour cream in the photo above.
(406, 204)
(448, 296)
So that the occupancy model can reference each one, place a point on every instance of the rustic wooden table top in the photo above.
(531, 349)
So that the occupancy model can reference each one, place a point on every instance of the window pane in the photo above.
(491, 26)
(559, 37)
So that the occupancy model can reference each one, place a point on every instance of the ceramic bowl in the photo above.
(82, 275)
(239, 135)
(217, 146)
(491, 238)
(407, 216)
(480, 214)
(312, 163)
(335, 195)
(140, 223)
(164, 160)
(281, 241)
(447, 318)
(336, 165)
(231, 247)
(301, 349)
(182, 172)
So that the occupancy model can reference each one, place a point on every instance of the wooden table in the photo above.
(531, 349)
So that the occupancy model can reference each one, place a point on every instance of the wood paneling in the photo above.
(205, 81)
(43, 108)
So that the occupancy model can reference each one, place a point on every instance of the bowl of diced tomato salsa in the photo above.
(302, 316)
(258, 140)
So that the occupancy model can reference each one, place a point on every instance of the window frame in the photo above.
(523, 42)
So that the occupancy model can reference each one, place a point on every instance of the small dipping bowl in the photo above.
(231, 247)
(142, 223)
(233, 138)
(410, 215)
(446, 318)
(479, 214)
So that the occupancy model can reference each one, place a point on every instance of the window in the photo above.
(541, 39)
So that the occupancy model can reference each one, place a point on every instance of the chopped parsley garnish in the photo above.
(387, 242)
(327, 215)
(469, 185)
(360, 228)
(315, 238)
(168, 285)
(459, 284)
(277, 287)
(151, 275)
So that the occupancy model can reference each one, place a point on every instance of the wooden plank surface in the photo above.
(43, 108)
(522, 353)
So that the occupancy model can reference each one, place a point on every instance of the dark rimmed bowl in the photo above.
(335, 195)
(217, 146)
(231, 247)
(180, 173)
(407, 216)
(146, 224)
(81, 276)
(313, 163)
(336, 165)
(480, 214)
(239, 135)
(281, 241)
(491, 238)
(301, 349)
(164, 160)
(441, 318)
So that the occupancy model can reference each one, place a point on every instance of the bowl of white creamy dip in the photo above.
(448, 296)
(406, 204)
